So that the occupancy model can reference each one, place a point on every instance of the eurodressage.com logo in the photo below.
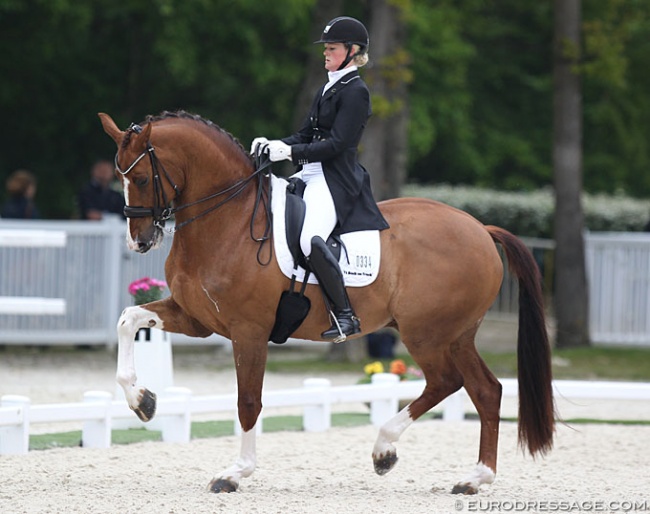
(538, 506)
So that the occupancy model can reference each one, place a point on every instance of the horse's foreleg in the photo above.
(140, 400)
(250, 361)
(243, 467)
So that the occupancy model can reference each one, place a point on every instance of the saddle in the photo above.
(294, 306)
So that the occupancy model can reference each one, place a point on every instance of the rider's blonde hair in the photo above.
(359, 59)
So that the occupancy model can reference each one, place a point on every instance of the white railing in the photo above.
(177, 405)
(25, 305)
(92, 273)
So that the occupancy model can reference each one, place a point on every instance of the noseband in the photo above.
(161, 212)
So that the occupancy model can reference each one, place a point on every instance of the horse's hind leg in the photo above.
(442, 379)
(485, 392)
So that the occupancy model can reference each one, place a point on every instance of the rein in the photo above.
(162, 213)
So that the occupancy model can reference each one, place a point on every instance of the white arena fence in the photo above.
(30, 305)
(99, 413)
(92, 271)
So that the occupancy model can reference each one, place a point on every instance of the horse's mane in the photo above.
(184, 115)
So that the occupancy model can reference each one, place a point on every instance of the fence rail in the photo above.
(98, 412)
(30, 239)
(94, 268)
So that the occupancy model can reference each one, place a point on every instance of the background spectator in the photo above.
(21, 188)
(98, 196)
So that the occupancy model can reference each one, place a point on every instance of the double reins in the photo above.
(162, 212)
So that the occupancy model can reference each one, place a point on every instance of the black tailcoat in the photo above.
(330, 135)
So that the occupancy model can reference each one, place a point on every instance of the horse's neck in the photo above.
(218, 217)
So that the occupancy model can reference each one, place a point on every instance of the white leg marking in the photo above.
(245, 464)
(481, 475)
(391, 432)
(132, 319)
(210, 298)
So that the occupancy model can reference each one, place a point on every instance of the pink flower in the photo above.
(145, 290)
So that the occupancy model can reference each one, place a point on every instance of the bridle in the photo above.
(163, 211)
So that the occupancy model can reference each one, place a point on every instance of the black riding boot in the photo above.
(327, 271)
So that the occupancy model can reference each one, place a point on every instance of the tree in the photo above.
(571, 298)
(384, 146)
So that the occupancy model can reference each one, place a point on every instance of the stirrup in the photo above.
(342, 336)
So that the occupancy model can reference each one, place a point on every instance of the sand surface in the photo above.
(593, 467)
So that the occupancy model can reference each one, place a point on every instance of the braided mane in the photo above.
(180, 114)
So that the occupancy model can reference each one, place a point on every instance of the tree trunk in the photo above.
(571, 297)
(384, 145)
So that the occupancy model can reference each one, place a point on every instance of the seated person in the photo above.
(97, 196)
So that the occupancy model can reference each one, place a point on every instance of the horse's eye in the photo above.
(141, 181)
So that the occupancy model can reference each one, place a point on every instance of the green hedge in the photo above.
(531, 214)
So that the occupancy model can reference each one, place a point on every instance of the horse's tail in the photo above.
(536, 407)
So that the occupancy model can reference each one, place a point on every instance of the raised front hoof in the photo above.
(464, 489)
(385, 463)
(222, 485)
(146, 409)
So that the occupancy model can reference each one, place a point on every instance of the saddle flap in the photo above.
(294, 215)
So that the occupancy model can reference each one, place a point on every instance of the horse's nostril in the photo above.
(143, 247)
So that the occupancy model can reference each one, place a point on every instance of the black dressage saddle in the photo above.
(294, 306)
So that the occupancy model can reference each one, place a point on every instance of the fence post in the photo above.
(176, 428)
(382, 410)
(317, 418)
(96, 433)
(14, 440)
(115, 249)
(453, 408)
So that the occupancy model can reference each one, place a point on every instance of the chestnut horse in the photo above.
(440, 272)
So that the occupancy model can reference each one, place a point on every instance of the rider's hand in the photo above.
(258, 144)
(279, 151)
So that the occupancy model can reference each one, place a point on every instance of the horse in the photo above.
(440, 272)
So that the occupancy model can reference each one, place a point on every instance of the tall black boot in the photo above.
(327, 271)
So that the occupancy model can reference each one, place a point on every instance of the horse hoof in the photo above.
(222, 485)
(146, 409)
(464, 489)
(385, 463)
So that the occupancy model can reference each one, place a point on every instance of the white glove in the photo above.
(257, 144)
(279, 151)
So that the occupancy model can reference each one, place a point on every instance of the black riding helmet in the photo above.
(348, 31)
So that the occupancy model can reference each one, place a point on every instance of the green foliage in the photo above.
(531, 214)
(236, 63)
(478, 72)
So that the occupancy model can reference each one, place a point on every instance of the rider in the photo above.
(337, 194)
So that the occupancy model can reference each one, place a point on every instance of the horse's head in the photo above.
(148, 188)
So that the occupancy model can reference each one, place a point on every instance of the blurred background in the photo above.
(543, 106)
(463, 89)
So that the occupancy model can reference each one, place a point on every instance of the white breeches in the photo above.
(320, 215)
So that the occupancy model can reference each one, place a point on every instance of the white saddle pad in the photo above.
(359, 264)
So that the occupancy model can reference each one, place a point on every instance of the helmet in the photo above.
(345, 30)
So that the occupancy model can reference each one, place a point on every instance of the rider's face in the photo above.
(334, 55)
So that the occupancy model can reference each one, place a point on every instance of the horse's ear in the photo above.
(139, 141)
(111, 128)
